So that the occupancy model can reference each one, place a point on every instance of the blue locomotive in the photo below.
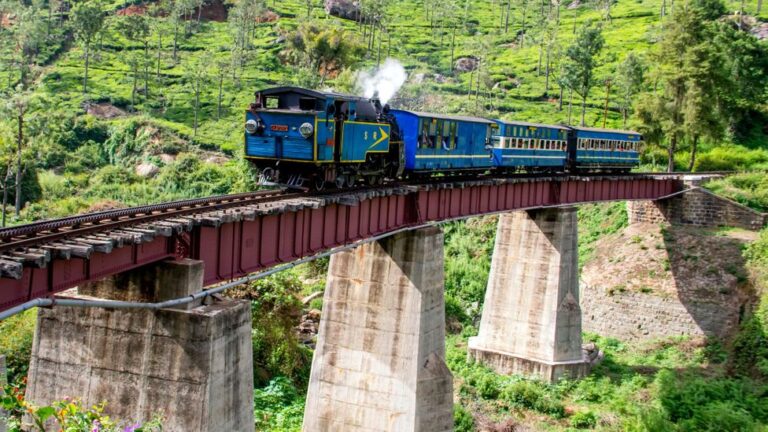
(304, 137)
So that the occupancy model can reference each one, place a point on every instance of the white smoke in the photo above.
(383, 82)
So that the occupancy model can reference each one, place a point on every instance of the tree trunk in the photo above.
(471, 77)
(221, 93)
(560, 100)
(197, 108)
(378, 55)
(146, 68)
(135, 85)
(547, 71)
(694, 149)
(453, 47)
(583, 108)
(159, 53)
(570, 106)
(19, 142)
(175, 40)
(506, 19)
(671, 153)
(624, 116)
(8, 172)
(87, 60)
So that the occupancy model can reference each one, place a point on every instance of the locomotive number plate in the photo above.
(279, 128)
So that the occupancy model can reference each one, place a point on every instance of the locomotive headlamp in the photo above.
(251, 126)
(306, 130)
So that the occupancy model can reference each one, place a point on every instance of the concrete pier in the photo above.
(379, 363)
(531, 322)
(193, 364)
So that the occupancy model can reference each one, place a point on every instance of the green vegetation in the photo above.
(166, 90)
(16, 335)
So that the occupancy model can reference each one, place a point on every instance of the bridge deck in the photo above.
(246, 238)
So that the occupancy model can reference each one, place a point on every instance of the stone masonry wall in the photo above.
(697, 207)
(648, 282)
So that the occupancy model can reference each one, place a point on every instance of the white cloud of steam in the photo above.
(383, 82)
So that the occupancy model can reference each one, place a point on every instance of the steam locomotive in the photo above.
(307, 138)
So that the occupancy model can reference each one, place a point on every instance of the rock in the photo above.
(216, 160)
(466, 64)
(104, 110)
(418, 78)
(346, 9)
(314, 315)
(760, 31)
(147, 169)
(574, 4)
(167, 158)
(440, 79)
(592, 354)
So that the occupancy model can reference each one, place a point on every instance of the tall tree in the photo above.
(18, 106)
(629, 81)
(87, 20)
(689, 78)
(196, 78)
(137, 28)
(581, 60)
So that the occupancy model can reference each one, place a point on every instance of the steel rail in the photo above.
(56, 229)
(35, 233)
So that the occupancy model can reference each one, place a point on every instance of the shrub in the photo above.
(278, 406)
(532, 395)
(584, 420)
(16, 334)
(462, 419)
(750, 189)
(732, 158)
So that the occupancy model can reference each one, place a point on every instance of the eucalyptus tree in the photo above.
(29, 36)
(87, 19)
(137, 29)
(196, 78)
(629, 81)
(581, 61)
(689, 77)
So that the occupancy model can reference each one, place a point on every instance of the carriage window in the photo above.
(432, 133)
(424, 140)
(273, 102)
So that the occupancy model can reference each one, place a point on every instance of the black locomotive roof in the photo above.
(274, 91)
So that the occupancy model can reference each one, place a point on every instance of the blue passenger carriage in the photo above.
(437, 142)
(606, 149)
(530, 146)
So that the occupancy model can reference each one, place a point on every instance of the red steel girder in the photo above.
(238, 248)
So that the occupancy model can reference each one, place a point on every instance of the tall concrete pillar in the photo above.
(531, 322)
(379, 362)
(192, 364)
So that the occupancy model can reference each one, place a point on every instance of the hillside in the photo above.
(147, 58)
(116, 145)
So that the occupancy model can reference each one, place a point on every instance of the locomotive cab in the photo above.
(294, 135)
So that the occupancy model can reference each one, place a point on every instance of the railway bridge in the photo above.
(147, 330)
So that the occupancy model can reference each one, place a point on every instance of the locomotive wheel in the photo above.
(319, 183)
(340, 181)
(351, 180)
(268, 174)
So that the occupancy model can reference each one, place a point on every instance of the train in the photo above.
(315, 139)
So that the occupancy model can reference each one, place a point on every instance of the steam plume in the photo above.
(383, 82)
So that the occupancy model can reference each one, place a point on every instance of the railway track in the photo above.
(37, 243)
(80, 235)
